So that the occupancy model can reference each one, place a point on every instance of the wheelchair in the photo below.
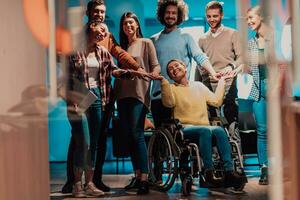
(171, 155)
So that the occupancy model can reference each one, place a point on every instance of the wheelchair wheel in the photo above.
(187, 183)
(163, 160)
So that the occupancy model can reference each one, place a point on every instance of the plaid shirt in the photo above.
(270, 56)
(79, 70)
(253, 63)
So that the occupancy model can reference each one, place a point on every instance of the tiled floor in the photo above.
(117, 182)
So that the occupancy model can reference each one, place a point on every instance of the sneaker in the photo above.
(210, 179)
(263, 180)
(233, 179)
(67, 188)
(143, 188)
(99, 184)
(134, 184)
(92, 190)
(77, 190)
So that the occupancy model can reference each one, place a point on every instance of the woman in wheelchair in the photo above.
(189, 102)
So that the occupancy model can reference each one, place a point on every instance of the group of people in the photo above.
(165, 58)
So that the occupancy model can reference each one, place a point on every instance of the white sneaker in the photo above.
(92, 190)
(77, 190)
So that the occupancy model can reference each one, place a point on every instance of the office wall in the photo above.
(22, 58)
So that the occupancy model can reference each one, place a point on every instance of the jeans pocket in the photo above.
(263, 88)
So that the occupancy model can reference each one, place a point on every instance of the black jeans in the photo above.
(132, 114)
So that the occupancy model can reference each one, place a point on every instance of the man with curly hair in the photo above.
(172, 43)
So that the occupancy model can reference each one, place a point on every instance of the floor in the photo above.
(117, 182)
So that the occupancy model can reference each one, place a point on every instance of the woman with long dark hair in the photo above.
(133, 97)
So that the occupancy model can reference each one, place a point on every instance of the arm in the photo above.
(167, 96)
(237, 65)
(121, 55)
(195, 52)
(117, 72)
(126, 59)
(71, 94)
(207, 65)
(216, 99)
(200, 57)
(154, 65)
(238, 50)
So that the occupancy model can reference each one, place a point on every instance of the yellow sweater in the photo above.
(190, 102)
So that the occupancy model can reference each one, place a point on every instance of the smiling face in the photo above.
(254, 20)
(98, 32)
(171, 16)
(130, 26)
(98, 13)
(214, 18)
(176, 70)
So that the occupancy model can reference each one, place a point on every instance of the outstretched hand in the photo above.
(160, 78)
(226, 75)
(144, 75)
(140, 73)
(229, 73)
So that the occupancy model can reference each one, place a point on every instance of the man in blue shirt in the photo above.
(172, 43)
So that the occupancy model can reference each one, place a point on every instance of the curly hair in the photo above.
(182, 10)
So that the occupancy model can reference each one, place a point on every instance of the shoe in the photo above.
(102, 186)
(233, 179)
(263, 180)
(143, 188)
(210, 179)
(67, 188)
(92, 191)
(77, 190)
(134, 184)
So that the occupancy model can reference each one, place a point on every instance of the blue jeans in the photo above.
(202, 136)
(132, 114)
(260, 115)
(85, 130)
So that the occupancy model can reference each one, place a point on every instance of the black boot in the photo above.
(100, 185)
(134, 184)
(143, 188)
(67, 188)
(233, 179)
(211, 180)
(263, 180)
